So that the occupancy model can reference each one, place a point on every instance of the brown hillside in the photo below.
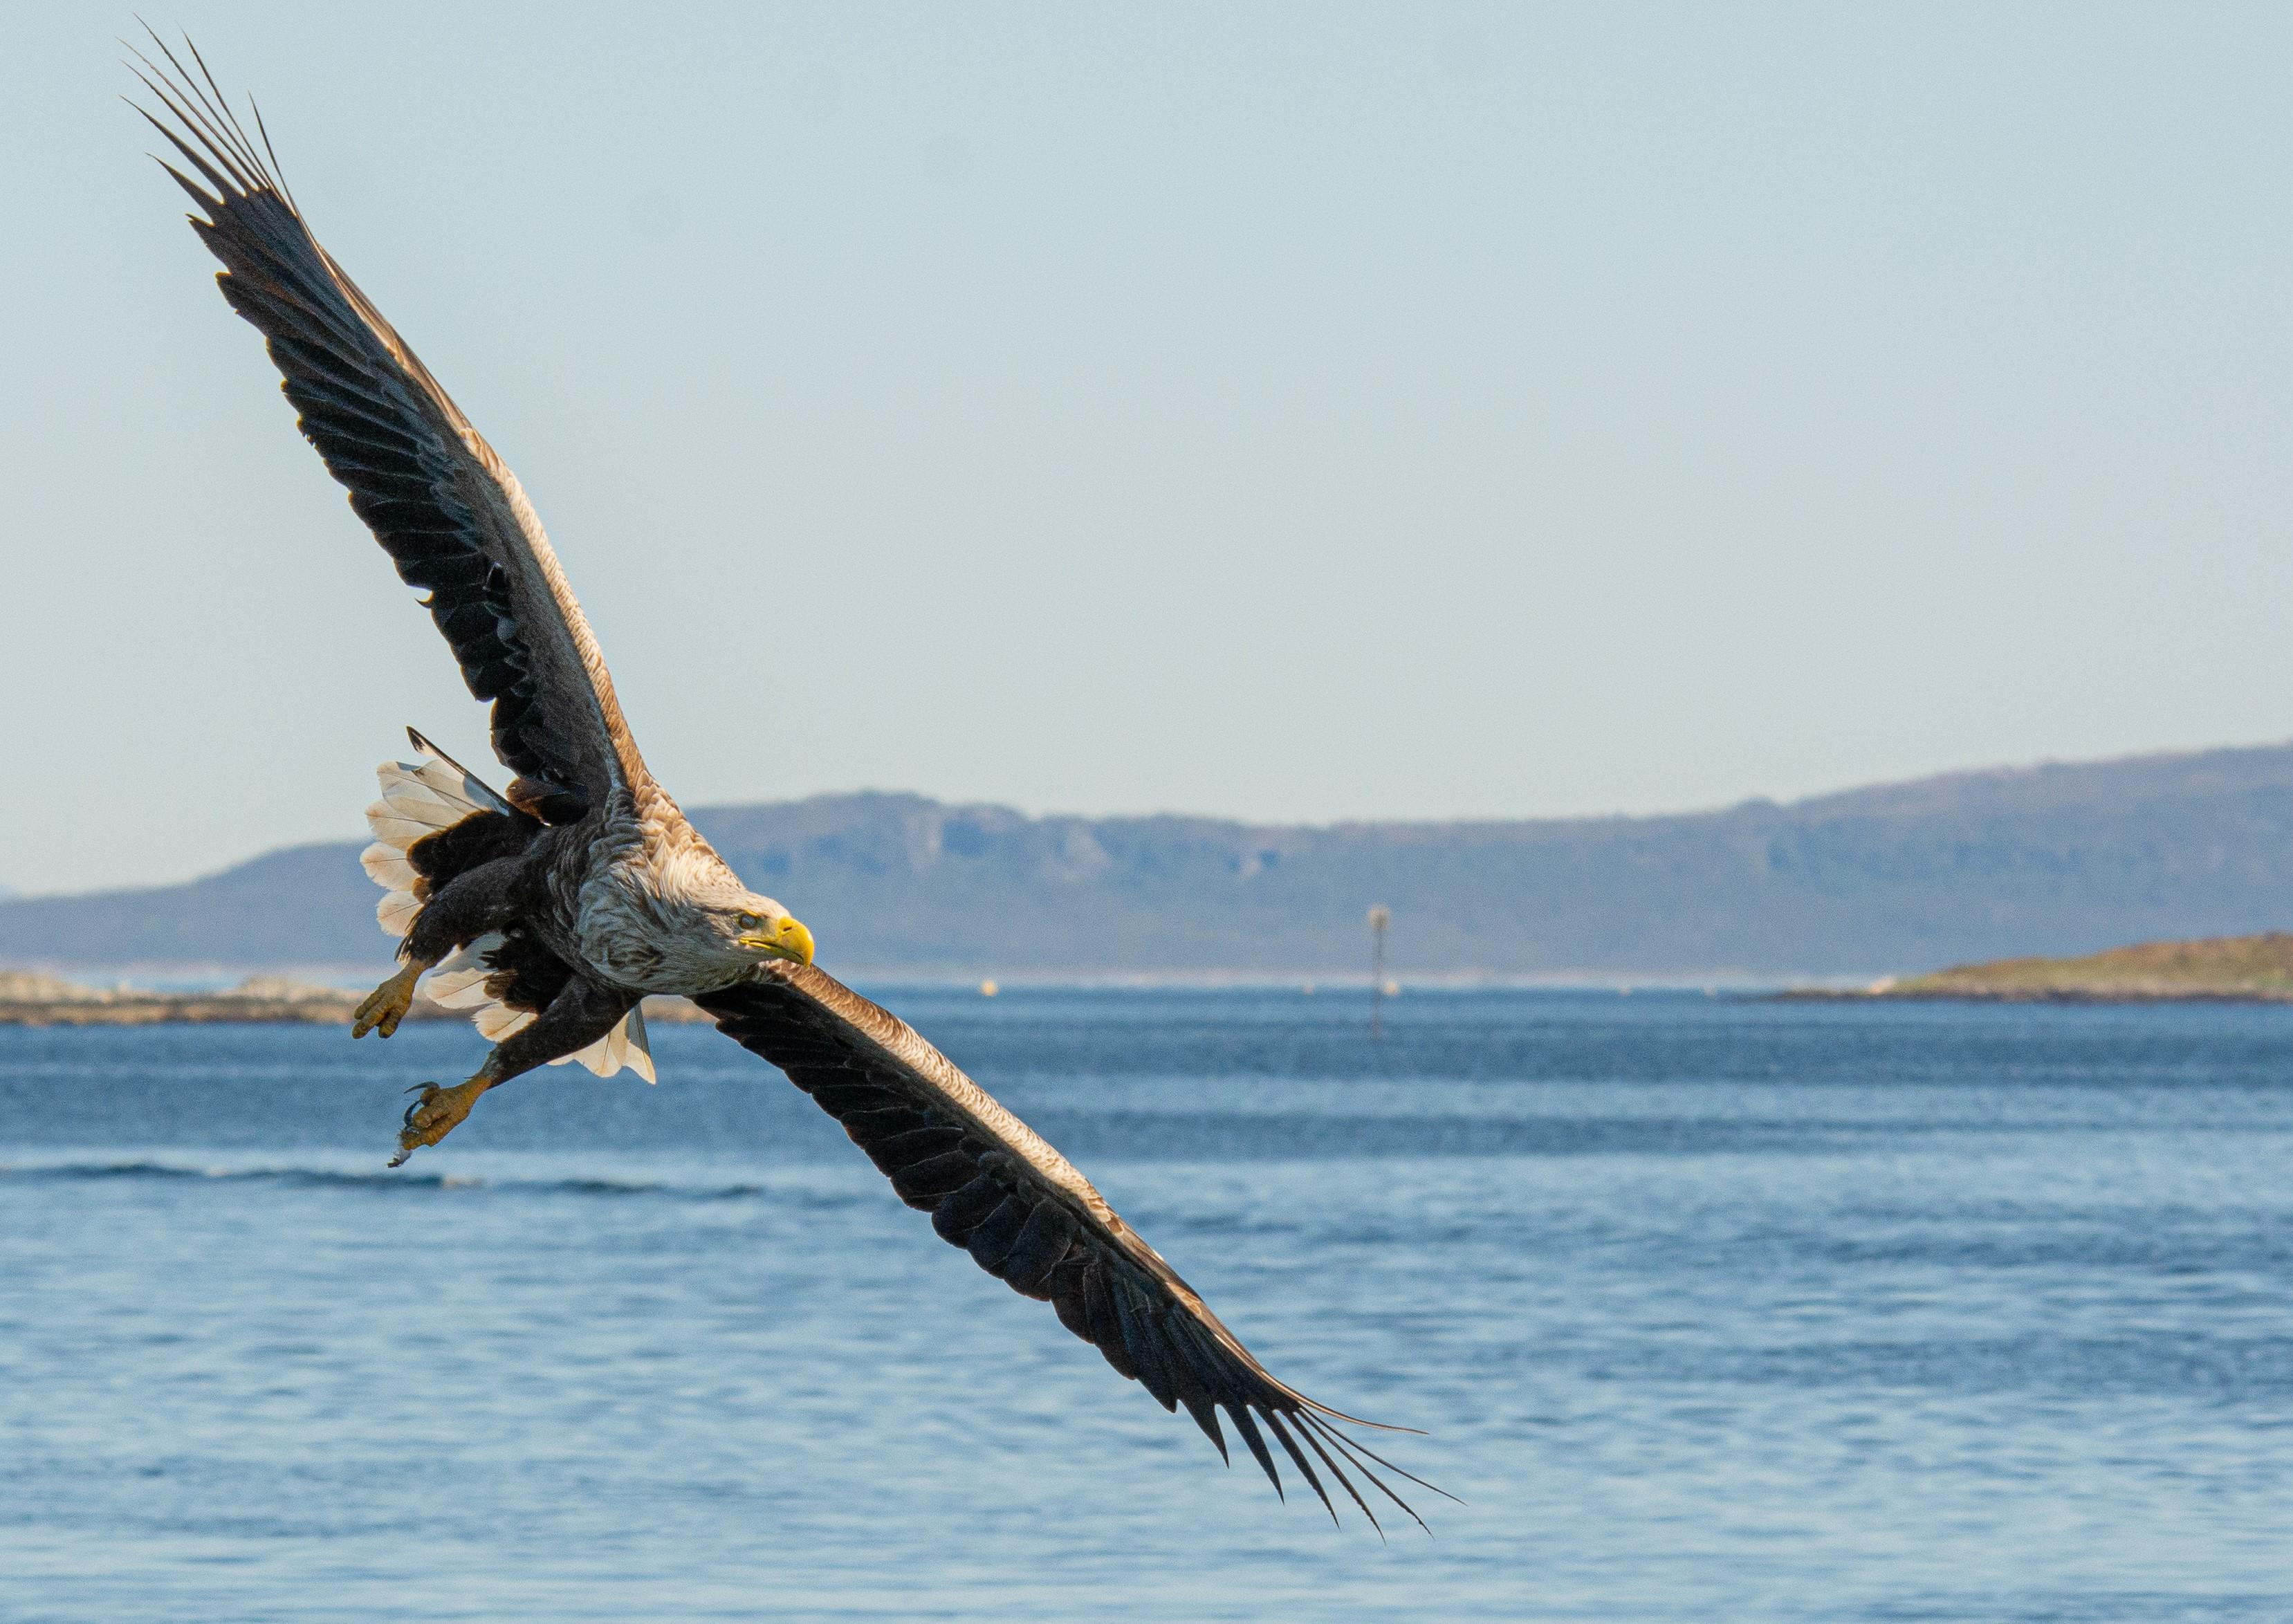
(2254, 967)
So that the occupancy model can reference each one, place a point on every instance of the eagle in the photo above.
(553, 908)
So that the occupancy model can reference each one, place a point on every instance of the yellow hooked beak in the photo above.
(786, 939)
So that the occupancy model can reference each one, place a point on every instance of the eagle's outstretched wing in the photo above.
(993, 1187)
(444, 506)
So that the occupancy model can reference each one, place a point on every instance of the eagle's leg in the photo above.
(464, 908)
(583, 1013)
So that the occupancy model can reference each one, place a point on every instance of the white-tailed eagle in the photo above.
(555, 907)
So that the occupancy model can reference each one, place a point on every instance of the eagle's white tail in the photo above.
(418, 799)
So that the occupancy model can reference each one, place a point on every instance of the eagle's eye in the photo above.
(750, 922)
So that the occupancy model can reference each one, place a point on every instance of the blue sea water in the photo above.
(1711, 1310)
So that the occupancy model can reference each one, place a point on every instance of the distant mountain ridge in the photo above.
(2050, 859)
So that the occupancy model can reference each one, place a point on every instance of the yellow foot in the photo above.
(436, 1114)
(386, 1005)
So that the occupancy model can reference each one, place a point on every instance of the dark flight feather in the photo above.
(443, 506)
(1023, 1212)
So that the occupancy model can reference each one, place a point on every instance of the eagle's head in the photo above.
(751, 929)
(763, 929)
(712, 929)
(742, 929)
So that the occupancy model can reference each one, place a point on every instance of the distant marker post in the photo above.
(1380, 917)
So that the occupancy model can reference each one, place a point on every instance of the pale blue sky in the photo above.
(1291, 412)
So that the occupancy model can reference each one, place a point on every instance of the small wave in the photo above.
(378, 1179)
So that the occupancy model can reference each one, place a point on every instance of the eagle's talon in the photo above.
(436, 1114)
(386, 1005)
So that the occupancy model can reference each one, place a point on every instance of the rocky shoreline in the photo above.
(28, 998)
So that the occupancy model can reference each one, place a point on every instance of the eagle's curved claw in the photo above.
(436, 1114)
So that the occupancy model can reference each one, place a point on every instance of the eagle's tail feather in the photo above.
(626, 1045)
(418, 799)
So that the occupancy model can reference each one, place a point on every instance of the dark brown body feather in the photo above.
(527, 973)
(481, 837)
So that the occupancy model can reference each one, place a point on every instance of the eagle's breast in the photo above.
(639, 921)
